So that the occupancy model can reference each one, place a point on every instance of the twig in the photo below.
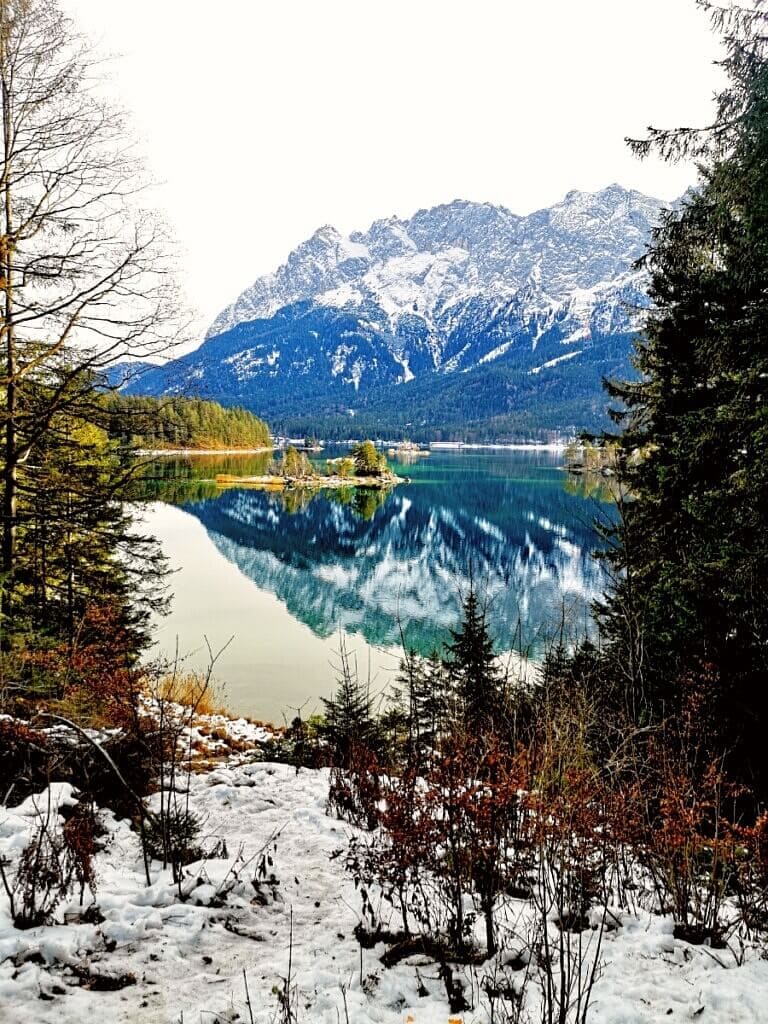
(290, 963)
(247, 997)
(344, 997)
(143, 812)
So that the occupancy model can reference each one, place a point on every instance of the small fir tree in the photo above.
(349, 718)
(471, 665)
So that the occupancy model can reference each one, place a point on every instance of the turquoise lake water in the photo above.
(288, 577)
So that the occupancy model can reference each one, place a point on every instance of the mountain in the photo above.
(463, 319)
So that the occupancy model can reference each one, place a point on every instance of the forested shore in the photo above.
(180, 423)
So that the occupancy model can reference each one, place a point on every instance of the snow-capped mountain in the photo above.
(387, 318)
(444, 256)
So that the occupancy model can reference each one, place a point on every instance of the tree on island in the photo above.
(343, 467)
(691, 555)
(295, 464)
(369, 461)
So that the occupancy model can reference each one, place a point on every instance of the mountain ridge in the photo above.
(349, 323)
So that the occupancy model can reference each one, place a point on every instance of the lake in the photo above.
(288, 577)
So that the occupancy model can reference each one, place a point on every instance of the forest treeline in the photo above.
(81, 571)
(158, 423)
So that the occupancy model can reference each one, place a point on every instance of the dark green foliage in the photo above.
(173, 837)
(691, 550)
(462, 692)
(159, 423)
(349, 715)
(472, 669)
(422, 698)
(77, 551)
(491, 401)
(488, 403)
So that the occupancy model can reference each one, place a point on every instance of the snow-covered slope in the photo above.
(222, 953)
(440, 258)
(462, 287)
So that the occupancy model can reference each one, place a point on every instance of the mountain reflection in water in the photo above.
(368, 562)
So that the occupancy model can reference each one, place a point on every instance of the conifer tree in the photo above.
(422, 695)
(471, 666)
(436, 704)
(692, 548)
(349, 718)
(78, 549)
(368, 462)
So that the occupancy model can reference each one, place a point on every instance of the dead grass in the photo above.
(193, 691)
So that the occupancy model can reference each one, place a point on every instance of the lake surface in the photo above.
(290, 576)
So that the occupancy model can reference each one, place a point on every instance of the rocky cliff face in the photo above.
(346, 322)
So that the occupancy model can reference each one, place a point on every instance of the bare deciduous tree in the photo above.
(83, 269)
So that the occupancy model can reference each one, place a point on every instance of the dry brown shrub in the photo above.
(192, 690)
(25, 761)
(355, 791)
(94, 683)
(79, 834)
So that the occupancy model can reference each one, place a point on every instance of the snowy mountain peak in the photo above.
(463, 311)
(455, 252)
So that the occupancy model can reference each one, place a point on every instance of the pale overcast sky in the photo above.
(265, 119)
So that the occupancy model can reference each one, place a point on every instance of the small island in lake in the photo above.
(365, 466)
(407, 451)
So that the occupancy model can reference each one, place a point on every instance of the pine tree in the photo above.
(471, 665)
(692, 547)
(368, 462)
(421, 696)
(349, 718)
(78, 548)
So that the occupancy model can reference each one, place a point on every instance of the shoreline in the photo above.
(201, 451)
(281, 483)
(554, 446)
(447, 446)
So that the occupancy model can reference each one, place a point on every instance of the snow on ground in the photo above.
(190, 958)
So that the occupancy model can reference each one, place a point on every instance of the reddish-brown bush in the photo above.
(355, 790)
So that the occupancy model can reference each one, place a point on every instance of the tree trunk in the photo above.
(10, 470)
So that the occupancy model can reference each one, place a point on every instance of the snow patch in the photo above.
(496, 352)
(554, 362)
